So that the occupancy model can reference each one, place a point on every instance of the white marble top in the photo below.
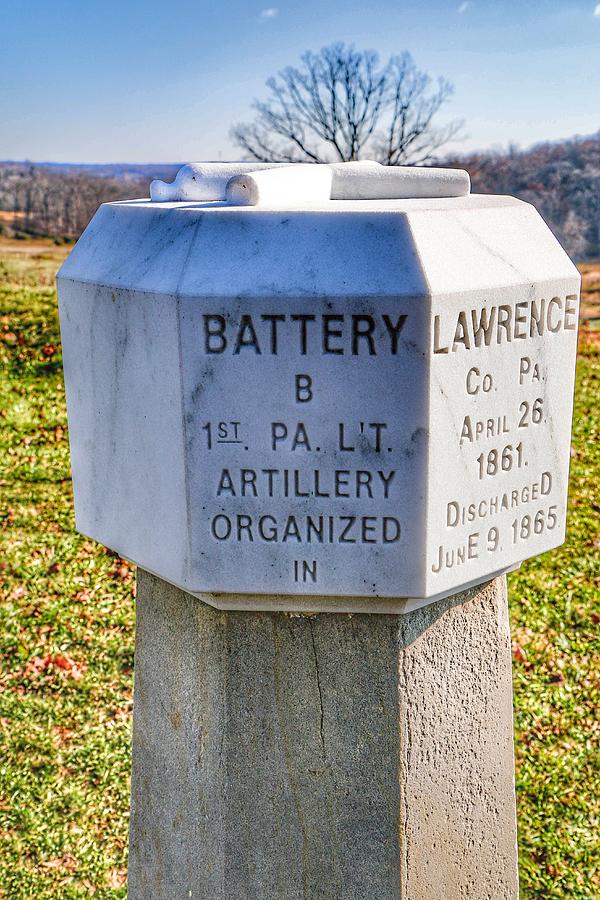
(362, 398)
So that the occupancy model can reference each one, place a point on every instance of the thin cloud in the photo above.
(463, 7)
(597, 11)
(269, 13)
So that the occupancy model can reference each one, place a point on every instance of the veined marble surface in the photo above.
(361, 399)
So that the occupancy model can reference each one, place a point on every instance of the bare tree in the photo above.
(341, 104)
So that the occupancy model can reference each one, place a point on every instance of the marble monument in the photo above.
(278, 399)
(297, 392)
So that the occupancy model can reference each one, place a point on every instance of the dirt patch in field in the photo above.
(589, 313)
(32, 248)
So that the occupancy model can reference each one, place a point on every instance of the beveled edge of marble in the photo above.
(306, 604)
(404, 204)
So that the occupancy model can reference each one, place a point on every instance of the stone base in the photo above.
(284, 757)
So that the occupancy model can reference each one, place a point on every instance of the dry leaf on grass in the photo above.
(116, 878)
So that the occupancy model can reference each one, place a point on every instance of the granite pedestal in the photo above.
(283, 756)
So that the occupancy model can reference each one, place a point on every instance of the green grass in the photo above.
(66, 626)
(67, 640)
(555, 614)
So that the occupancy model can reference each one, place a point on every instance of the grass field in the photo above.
(66, 631)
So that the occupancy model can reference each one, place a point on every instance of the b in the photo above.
(304, 392)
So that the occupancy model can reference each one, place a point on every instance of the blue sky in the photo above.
(150, 81)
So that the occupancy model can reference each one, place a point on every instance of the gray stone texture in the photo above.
(280, 756)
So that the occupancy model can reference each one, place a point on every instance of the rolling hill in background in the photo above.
(561, 179)
(124, 171)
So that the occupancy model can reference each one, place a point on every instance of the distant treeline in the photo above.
(561, 179)
(45, 201)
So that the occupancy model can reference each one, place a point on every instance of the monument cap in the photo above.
(311, 387)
